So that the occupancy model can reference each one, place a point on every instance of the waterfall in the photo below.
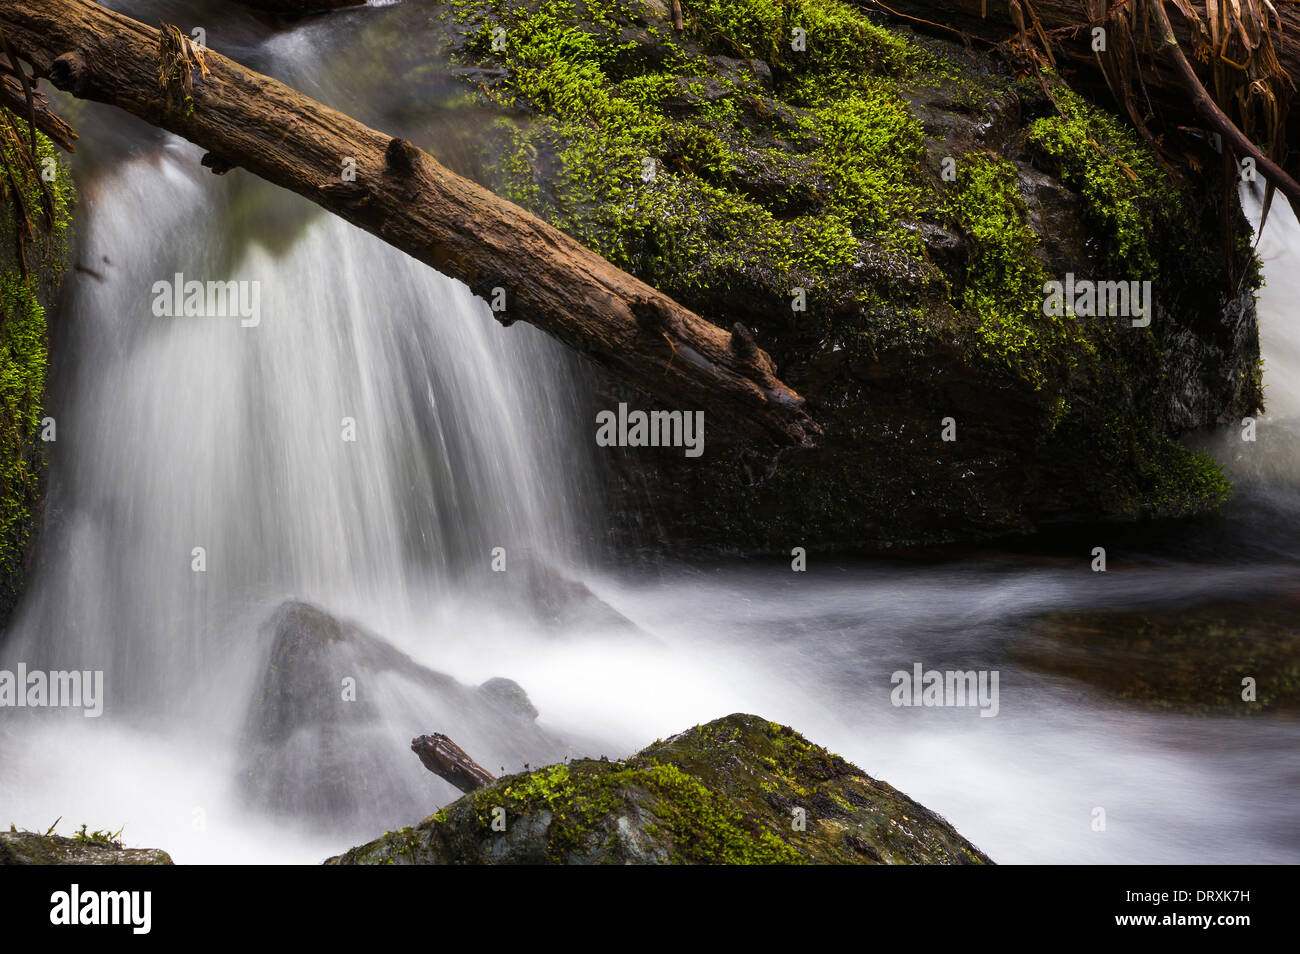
(367, 443)
(177, 433)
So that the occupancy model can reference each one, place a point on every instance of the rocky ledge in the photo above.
(96, 848)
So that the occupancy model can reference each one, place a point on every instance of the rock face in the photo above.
(327, 738)
(729, 792)
(881, 212)
(30, 848)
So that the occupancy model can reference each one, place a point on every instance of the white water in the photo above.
(197, 432)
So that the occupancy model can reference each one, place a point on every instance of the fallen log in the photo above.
(528, 270)
(444, 758)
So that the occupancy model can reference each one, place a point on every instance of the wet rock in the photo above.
(510, 696)
(327, 735)
(739, 790)
(1188, 659)
(31, 848)
(561, 602)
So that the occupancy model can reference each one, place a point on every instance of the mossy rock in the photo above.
(25, 294)
(739, 790)
(97, 848)
(1189, 659)
(919, 197)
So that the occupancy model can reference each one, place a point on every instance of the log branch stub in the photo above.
(742, 342)
(68, 72)
(218, 164)
(402, 156)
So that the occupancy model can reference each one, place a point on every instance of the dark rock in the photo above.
(561, 602)
(327, 737)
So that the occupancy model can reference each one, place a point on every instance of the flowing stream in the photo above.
(177, 433)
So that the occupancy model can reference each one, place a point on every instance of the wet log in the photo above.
(444, 758)
(528, 270)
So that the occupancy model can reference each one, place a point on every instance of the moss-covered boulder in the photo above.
(883, 212)
(84, 848)
(42, 215)
(739, 790)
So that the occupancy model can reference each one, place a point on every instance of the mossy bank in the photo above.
(42, 212)
(882, 211)
(739, 790)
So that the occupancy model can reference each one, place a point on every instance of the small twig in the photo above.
(444, 758)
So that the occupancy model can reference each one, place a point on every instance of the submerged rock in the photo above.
(31, 848)
(1189, 659)
(739, 790)
(328, 734)
(562, 603)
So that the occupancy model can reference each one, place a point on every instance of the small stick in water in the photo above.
(444, 758)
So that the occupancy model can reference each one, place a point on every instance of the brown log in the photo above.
(444, 758)
(405, 197)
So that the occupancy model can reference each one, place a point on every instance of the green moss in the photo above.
(840, 44)
(111, 838)
(1004, 281)
(23, 358)
(697, 822)
(1128, 198)
(1153, 474)
(659, 162)
(873, 146)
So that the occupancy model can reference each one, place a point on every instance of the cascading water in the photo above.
(176, 433)
(365, 441)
